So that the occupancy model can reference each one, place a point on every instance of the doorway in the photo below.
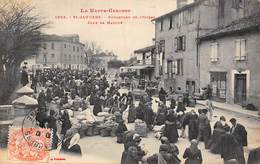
(240, 89)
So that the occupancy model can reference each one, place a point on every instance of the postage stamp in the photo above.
(29, 144)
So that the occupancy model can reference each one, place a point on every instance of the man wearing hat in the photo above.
(240, 134)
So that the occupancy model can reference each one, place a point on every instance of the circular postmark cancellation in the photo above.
(31, 121)
(29, 144)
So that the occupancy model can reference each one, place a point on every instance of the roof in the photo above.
(25, 90)
(241, 25)
(25, 100)
(66, 38)
(142, 67)
(145, 49)
(188, 6)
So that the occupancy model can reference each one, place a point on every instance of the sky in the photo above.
(122, 39)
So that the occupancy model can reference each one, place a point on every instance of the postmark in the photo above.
(29, 144)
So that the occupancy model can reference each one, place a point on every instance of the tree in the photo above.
(20, 34)
(115, 64)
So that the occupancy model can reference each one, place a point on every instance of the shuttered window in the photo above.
(214, 52)
(240, 50)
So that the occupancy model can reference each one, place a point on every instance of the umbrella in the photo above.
(25, 100)
(25, 90)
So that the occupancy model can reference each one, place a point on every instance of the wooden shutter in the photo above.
(175, 44)
(237, 52)
(183, 43)
(178, 67)
(243, 49)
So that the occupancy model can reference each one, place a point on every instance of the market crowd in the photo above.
(75, 104)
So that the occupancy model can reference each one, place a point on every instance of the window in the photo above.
(52, 46)
(240, 45)
(170, 22)
(161, 24)
(214, 52)
(179, 43)
(174, 67)
(65, 45)
(73, 48)
(65, 57)
(77, 49)
(74, 57)
(69, 57)
(52, 56)
(180, 67)
(78, 58)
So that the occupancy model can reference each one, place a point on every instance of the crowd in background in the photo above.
(88, 88)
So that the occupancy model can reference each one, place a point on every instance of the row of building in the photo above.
(66, 52)
(207, 42)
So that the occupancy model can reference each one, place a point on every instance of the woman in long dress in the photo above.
(192, 154)
(170, 130)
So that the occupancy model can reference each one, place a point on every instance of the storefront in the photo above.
(218, 82)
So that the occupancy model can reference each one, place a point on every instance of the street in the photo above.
(98, 149)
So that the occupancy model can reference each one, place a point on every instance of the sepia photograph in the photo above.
(130, 81)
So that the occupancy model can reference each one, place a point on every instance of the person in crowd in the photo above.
(52, 124)
(149, 115)
(173, 149)
(220, 128)
(131, 113)
(192, 154)
(73, 147)
(97, 105)
(41, 99)
(128, 142)
(222, 124)
(254, 156)
(204, 128)
(24, 77)
(210, 107)
(48, 95)
(230, 149)
(135, 153)
(41, 117)
(162, 95)
(163, 157)
(161, 114)
(140, 110)
(181, 117)
(120, 131)
(193, 125)
(170, 130)
(66, 124)
(240, 134)
(173, 103)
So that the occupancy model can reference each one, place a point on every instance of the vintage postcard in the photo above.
(130, 81)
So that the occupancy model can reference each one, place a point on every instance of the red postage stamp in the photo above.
(29, 144)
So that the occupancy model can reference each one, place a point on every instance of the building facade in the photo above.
(65, 52)
(176, 34)
(229, 59)
(177, 52)
(145, 66)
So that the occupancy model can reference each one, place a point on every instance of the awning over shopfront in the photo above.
(138, 67)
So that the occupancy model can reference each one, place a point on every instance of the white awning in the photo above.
(142, 67)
